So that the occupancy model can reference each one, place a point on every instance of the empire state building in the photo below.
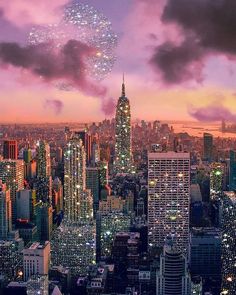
(123, 154)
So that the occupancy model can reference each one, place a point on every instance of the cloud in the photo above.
(68, 64)
(24, 12)
(207, 28)
(108, 106)
(178, 63)
(212, 113)
(55, 104)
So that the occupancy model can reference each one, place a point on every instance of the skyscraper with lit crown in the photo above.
(123, 153)
(73, 243)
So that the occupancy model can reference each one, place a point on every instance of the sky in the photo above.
(178, 57)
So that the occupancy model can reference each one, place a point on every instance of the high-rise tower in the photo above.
(228, 243)
(10, 149)
(43, 185)
(43, 159)
(123, 154)
(73, 243)
(5, 211)
(207, 147)
(168, 198)
(12, 174)
(78, 201)
(173, 277)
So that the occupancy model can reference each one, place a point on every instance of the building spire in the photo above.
(123, 85)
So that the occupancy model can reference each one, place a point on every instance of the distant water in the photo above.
(198, 128)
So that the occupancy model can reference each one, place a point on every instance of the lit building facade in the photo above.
(108, 225)
(43, 159)
(37, 284)
(228, 243)
(11, 259)
(73, 243)
(123, 153)
(12, 174)
(103, 172)
(78, 200)
(43, 185)
(216, 180)
(5, 212)
(168, 197)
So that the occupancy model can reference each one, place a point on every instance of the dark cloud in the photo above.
(55, 104)
(212, 113)
(67, 64)
(208, 27)
(179, 63)
(108, 106)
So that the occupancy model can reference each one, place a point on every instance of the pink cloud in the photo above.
(213, 113)
(67, 64)
(55, 104)
(108, 106)
(24, 12)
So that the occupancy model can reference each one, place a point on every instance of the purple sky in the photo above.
(170, 63)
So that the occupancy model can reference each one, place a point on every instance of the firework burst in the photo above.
(83, 23)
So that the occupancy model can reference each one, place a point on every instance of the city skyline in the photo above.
(117, 147)
(203, 89)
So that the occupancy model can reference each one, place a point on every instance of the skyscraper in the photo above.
(78, 201)
(43, 159)
(25, 202)
(93, 183)
(36, 259)
(86, 138)
(232, 170)
(207, 147)
(173, 277)
(27, 155)
(123, 153)
(205, 256)
(10, 149)
(228, 243)
(73, 243)
(168, 197)
(44, 182)
(5, 212)
(216, 180)
(12, 174)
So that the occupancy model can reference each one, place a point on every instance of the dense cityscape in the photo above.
(116, 208)
(117, 147)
